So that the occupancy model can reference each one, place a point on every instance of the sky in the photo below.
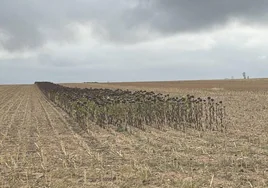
(132, 40)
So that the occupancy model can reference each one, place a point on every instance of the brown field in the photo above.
(231, 85)
(40, 146)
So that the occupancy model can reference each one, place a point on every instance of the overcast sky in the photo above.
(132, 40)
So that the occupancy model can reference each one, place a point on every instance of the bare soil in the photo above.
(40, 146)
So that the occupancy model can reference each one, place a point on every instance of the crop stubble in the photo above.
(42, 146)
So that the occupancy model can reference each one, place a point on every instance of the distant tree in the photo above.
(248, 77)
(244, 75)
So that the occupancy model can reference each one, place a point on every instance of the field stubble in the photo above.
(42, 146)
(235, 159)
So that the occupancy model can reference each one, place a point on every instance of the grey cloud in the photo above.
(29, 24)
(136, 65)
(174, 16)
